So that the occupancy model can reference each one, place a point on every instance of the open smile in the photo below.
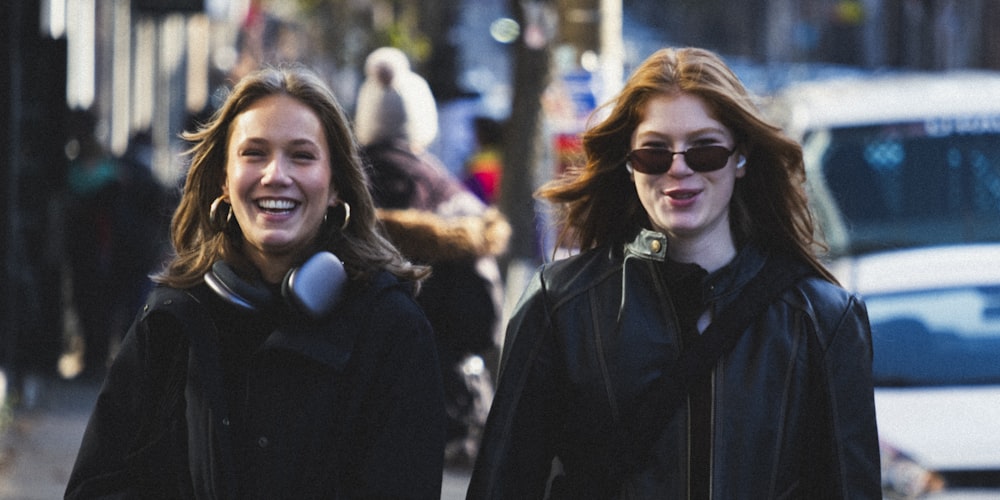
(277, 205)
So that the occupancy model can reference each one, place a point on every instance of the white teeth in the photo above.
(271, 204)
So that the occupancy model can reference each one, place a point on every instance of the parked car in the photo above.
(901, 160)
(903, 174)
(935, 316)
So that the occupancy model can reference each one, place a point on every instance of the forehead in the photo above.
(678, 114)
(675, 105)
(278, 116)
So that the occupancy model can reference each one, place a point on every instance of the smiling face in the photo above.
(691, 208)
(278, 180)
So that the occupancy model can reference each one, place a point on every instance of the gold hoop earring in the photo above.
(347, 215)
(213, 213)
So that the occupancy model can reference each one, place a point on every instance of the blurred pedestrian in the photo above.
(94, 240)
(116, 222)
(436, 221)
(484, 167)
(406, 106)
(281, 354)
(695, 347)
(144, 226)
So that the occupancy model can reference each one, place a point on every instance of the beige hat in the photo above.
(394, 102)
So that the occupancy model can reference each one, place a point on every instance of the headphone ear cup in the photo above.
(315, 287)
(224, 281)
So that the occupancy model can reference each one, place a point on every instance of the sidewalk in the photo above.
(38, 445)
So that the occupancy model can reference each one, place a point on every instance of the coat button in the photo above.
(225, 421)
(262, 442)
(655, 246)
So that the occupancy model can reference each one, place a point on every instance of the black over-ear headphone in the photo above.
(314, 288)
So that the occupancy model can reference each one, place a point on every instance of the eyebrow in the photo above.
(707, 130)
(293, 142)
(299, 142)
(696, 132)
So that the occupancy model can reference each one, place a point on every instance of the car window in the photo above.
(936, 337)
(907, 184)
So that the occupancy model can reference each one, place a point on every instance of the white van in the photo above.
(904, 176)
(898, 161)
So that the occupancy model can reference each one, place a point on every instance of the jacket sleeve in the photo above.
(516, 452)
(130, 446)
(398, 435)
(845, 396)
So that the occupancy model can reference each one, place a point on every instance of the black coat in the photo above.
(434, 220)
(350, 407)
(790, 410)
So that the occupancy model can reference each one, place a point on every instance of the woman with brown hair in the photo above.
(282, 354)
(695, 346)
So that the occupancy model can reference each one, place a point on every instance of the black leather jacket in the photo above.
(791, 406)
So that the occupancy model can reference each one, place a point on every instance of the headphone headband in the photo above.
(314, 288)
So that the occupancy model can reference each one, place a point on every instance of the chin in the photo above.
(280, 245)
(676, 228)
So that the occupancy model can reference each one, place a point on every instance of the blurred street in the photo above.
(38, 445)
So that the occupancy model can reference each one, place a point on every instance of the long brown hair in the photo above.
(199, 241)
(596, 203)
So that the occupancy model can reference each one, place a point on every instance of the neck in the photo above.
(272, 268)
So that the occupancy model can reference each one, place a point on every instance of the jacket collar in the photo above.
(726, 281)
(331, 346)
(332, 340)
(648, 245)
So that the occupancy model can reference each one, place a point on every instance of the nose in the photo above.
(276, 171)
(675, 164)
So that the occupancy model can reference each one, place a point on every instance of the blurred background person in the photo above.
(407, 109)
(484, 167)
(434, 220)
(116, 221)
(94, 240)
(144, 226)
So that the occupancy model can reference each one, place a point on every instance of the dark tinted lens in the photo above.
(651, 161)
(707, 158)
(657, 160)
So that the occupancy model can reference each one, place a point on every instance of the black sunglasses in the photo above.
(656, 161)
